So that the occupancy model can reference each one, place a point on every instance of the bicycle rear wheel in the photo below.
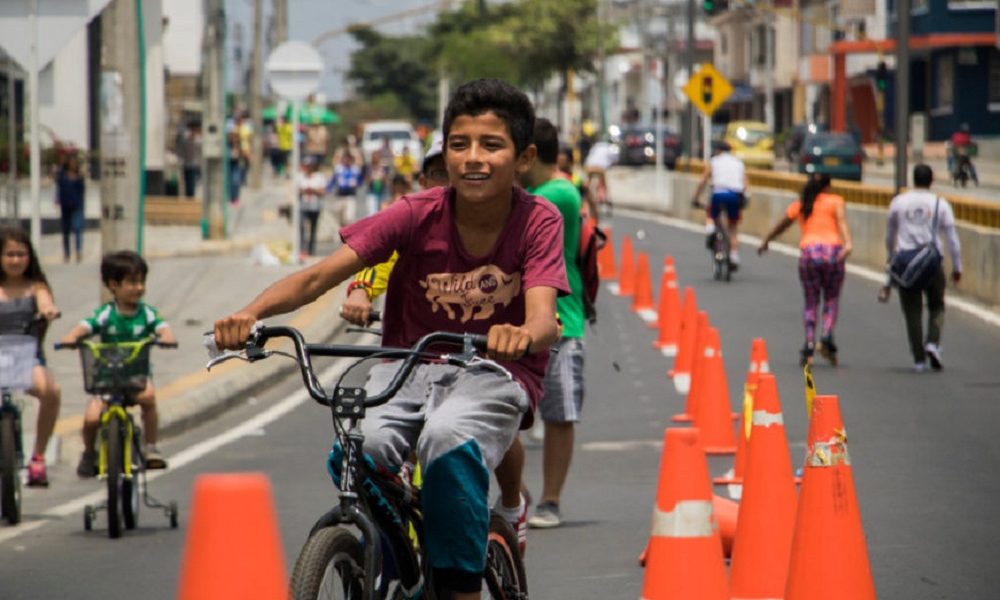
(330, 567)
(504, 575)
(114, 476)
(10, 483)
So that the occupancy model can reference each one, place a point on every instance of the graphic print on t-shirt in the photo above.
(485, 287)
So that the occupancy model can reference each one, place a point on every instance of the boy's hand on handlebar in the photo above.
(507, 342)
(356, 310)
(232, 332)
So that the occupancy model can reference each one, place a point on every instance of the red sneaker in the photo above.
(37, 475)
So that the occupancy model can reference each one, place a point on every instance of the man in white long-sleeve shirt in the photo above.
(911, 215)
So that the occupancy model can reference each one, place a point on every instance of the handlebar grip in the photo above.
(62, 346)
(167, 344)
(374, 316)
(478, 342)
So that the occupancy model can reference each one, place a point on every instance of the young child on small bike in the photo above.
(125, 319)
(479, 256)
(25, 295)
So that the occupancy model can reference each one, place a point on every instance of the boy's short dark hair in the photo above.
(118, 266)
(923, 176)
(507, 102)
(546, 141)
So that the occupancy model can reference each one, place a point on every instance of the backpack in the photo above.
(592, 239)
(913, 269)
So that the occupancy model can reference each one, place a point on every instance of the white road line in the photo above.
(251, 427)
(966, 306)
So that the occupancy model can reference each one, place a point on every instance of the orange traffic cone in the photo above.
(766, 521)
(666, 274)
(684, 558)
(726, 514)
(606, 268)
(668, 320)
(681, 373)
(758, 364)
(233, 549)
(697, 378)
(712, 414)
(642, 302)
(829, 553)
(626, 276)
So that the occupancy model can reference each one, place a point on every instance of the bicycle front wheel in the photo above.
(505, 578)
(10, 483)
(330, 567)
(130, 488)
(114, 475)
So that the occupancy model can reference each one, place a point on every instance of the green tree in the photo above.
(399, 66)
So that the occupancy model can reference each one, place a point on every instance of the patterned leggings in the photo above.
(821, 274)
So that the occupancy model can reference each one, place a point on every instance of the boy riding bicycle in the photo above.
(479, 256)
(125, 319)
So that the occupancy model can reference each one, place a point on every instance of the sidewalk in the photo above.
(191, 282)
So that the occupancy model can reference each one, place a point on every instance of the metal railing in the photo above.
(969, 210)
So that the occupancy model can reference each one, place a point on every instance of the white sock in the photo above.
(511, 514)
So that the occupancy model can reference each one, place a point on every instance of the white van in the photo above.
(400, 135)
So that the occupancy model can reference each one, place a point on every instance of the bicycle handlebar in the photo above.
(304, 352)
(79, 343)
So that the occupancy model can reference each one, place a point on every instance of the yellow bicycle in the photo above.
(116, 372)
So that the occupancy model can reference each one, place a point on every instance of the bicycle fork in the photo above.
(119, 413)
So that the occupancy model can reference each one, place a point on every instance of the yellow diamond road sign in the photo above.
(708, 89)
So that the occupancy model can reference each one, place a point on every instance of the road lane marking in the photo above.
(248, 428)
(966, 306)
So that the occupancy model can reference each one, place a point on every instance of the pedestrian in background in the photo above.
(235, 167)
(286, 139)
(918, 218)
(824, 245)
(312, 187)
(189, 149)
(344, 184)
(70, 191)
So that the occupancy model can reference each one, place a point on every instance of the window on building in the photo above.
(971, 4)
(994, 80)
(945, 83)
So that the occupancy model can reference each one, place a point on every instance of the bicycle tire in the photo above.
(332, 551)
(113, 464)
(10, 483)
(130, 489)
(504, 574)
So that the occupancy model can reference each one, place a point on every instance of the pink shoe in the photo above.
(37, 475)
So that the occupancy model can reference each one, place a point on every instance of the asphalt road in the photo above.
(923, 449)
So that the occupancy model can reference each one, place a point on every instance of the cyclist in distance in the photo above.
(25, 293)
(730, 189)
(479, 256)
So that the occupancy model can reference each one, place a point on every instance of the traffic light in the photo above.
(881, 76)
(714, 7)
(706, 90)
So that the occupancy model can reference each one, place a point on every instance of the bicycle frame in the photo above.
(115, 410)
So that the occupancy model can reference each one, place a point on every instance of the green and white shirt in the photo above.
(114, 326)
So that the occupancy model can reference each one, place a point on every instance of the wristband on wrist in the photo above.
(360, 284)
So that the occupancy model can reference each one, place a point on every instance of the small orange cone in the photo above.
(684, 558)
(726, 514)
(712, 414)
(758, 364)
(829, 552)
(681, 373)
(606, 268)
(668, 320)
(697, 379)
(666, 274)
(233, 550)
(767, 507)
(642, 302)
(626, 276)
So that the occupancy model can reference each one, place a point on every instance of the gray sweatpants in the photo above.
(461, 423)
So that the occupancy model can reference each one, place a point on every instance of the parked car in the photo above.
(637, 146)
(752, 142)
(796, 135)
(400, 135)
(837, 154)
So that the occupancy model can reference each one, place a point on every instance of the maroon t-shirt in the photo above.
(437, 286)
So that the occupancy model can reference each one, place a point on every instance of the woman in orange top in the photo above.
(824, 245)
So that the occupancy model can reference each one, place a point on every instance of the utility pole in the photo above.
(213, 167)
(120, 120)
(902, 89)
(602, 60)
(769, 66)
(12, 140)
(280, 9)
(253, 93)
(36, 155)
(689, 64)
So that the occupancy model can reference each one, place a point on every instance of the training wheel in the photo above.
(88, 517)
(172, 513)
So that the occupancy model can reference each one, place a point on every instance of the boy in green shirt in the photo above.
(562, 399)
(125, 319)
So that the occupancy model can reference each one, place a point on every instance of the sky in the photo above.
(308, 19)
